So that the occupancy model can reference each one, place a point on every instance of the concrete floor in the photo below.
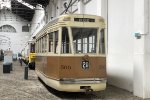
(14, 87)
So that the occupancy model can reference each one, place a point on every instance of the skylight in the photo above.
(5, 4)
(26, 4)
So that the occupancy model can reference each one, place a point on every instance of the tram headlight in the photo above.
(67, 19)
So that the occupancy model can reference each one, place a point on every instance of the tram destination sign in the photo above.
(84, 19)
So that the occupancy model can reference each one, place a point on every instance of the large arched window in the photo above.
(7, 28)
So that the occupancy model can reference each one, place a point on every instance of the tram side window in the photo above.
(84, 40)
(65, 41)
(43, 44)
(102, 41)
(39, 45)
(36, 47)
(56, 42)
(37, 42)
(51, 42)
(46, 43)
(32, 49)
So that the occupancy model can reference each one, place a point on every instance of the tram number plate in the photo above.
(85, 64)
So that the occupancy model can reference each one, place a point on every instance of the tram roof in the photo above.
(64, 17)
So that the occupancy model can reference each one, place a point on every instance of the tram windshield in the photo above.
(84, 40)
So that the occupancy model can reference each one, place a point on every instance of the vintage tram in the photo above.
(71, 53)
(28, 54)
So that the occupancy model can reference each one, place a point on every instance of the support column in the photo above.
(141, 79)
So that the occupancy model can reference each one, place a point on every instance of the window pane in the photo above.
(43, 44)
(56, 42)
(102, 41)
(39, 45)
(84, 40)
(51, 42)
(25, 28)
(32, 49)
(65, 41)
(46, 43)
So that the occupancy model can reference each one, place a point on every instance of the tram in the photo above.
(70, 53)
(28, 54)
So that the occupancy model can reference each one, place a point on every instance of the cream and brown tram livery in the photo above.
(70, 53)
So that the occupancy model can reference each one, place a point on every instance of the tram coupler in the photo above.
(87, 89)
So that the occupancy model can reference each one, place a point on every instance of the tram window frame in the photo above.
(45, 43)
(36, 47)
(102, 42)
(51, 42)
(65, 41)
(56, 42)
(81, 40)
(32, 47)
(39, 45)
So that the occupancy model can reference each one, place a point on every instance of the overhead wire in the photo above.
(70, 4)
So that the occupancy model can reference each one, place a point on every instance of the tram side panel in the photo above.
(57, 71)
(48, 66)
(71, 67)
(52, 70)
(38, 63)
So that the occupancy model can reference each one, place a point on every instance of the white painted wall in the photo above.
(120, 43)
(17, 39)
(91, 7)
(142, 49)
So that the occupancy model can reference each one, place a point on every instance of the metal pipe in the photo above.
(26, 72)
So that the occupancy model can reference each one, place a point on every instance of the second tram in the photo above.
(70, 53)
(28, 54)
